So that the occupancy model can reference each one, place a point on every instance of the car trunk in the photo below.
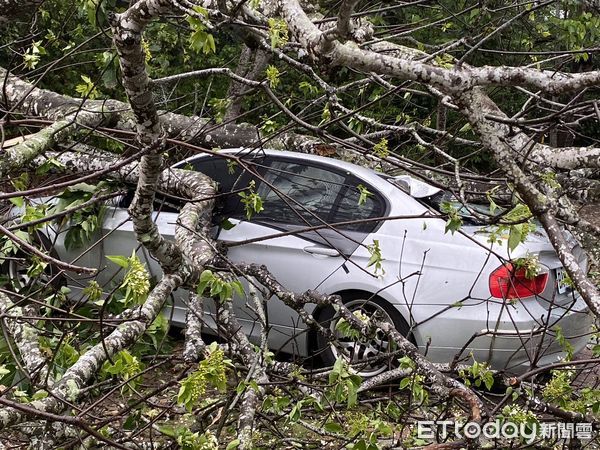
(558, 291)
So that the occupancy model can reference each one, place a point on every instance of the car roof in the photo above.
(362, 172)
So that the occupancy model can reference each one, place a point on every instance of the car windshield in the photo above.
(443, 200)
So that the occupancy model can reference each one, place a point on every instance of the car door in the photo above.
(296, 195)
(114, 237)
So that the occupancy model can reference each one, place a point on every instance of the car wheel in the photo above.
(367, 355)
(16, 269)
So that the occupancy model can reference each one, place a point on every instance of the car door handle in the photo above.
(318, 250)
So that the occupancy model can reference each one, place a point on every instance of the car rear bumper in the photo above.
(518, 352)
(526, 345)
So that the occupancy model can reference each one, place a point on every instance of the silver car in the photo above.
(455, 295)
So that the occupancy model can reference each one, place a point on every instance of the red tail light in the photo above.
(508, 283)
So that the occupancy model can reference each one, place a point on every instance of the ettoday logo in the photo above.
(430, 429)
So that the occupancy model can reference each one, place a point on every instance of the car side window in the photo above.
(220, 170)
(166, 203)
(162, 202)
(229, 178)
(352, 207)
(302, 194)
(298, 193)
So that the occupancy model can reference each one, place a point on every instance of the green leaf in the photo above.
(309, 89)
(488, 380)
(17, 201)
(278, 32)
(237, 287)
(381, 148)
(515, 236)
(31, 57)
(23, 235)
(226, 292)
(519, 212)
(227, 224)
(211, 43)
(200, 40)
(296, 412)
(333, 427)
(352, 393)
(215, 288)
(233, 445)
(326, 114)
(273, 76)
(466, 127)
(48, 165)
(454, 219)
(364, 194)
(205, 279)
(453, 224)
(39, 395)
(252, 202)
(219, 107)
(493, 205)
(119, 260)
(87, 88)
(376, 259)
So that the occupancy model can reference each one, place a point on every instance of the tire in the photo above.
(363, 355)
(16, 269)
